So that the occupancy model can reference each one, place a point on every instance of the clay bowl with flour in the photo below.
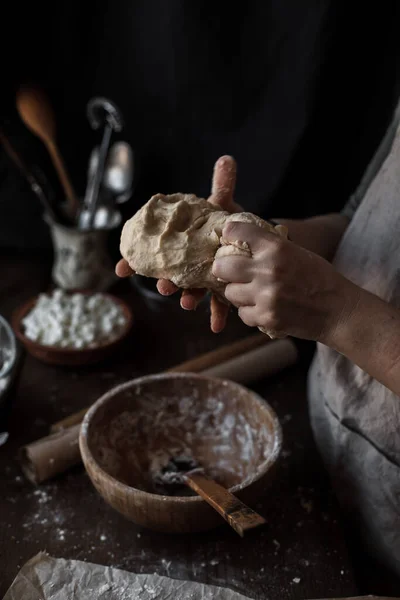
(134, 428)
(71, 357)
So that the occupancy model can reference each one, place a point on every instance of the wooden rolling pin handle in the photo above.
(74, 419)
(265, 361)
(239, 516)
(50, 456)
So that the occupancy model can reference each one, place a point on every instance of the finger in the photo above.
(190, 298)
(219, 314)
(122, 269)
(248, 315)
(233, 269)
(223, 182)
(253, 235)
(166, 288)
(239, 294)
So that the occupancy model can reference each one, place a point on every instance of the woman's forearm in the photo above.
(370, 337)
(319, 234)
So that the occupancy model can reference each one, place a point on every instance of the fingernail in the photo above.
(188, 307)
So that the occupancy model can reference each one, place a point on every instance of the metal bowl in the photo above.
(11, 354)
(8, 348)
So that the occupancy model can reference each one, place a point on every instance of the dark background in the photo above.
(299, 92)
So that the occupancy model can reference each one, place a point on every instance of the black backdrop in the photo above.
(300, 92)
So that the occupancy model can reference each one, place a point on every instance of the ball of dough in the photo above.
(176, 237)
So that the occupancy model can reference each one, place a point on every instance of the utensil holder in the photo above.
(81, 258)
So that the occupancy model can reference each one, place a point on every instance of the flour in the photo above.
(74, 320)
(47, 514)
(227, 443)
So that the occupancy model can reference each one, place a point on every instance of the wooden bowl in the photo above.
(69, 356)
(233, 433)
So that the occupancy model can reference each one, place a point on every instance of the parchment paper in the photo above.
(47, 578)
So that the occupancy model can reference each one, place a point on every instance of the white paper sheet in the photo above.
(47, 578)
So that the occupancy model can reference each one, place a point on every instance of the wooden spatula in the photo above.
(37, 114)
(181, 470)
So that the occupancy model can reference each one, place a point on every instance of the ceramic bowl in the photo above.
(232, 432)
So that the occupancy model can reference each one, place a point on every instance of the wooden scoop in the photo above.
(182, 470)
(37, 114)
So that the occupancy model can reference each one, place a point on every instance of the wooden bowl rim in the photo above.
(23, 310)
(262, 470)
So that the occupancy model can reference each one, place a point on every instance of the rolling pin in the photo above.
(195, 365)
(54, 454)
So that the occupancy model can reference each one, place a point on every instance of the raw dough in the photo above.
(176, 237)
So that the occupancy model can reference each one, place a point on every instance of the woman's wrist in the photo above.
(342, 315)
(368, 333)
(321, 234)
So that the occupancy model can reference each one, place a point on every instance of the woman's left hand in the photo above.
(223, 187)
(283, 288)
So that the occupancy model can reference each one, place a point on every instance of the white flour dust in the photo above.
(136, 443)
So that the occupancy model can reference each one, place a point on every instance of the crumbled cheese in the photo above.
(74, 320)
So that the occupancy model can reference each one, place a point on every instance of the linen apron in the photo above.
(355, 419)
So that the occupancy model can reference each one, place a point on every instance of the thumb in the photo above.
(248, 233)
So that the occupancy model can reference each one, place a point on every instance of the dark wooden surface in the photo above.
(300, 554)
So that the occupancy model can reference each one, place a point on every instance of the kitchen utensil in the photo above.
(37, 114)
(100, 112)
(45, 458)
(106, 216)
(34, 177)
(160, 412)
(70, 356)
(181, 471)
(104, 219)
(118, 174)
(84, 214)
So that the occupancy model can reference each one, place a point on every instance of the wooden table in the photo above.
(300, 554)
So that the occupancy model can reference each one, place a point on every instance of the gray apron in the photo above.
(355, 419)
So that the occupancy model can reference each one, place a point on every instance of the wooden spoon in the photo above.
(181, 470)
(37, 114)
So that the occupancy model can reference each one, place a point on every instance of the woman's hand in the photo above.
(223, 187)
(283, 288)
